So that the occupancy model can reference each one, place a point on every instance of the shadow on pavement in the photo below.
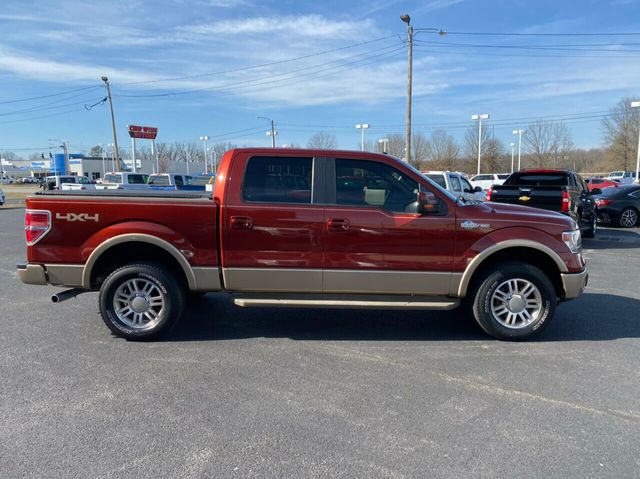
(592, 317)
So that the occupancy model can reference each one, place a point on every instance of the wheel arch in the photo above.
(531, 252)
(126, 248)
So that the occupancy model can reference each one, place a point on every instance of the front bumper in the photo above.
(574, 284)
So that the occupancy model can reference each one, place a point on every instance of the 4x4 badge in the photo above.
(78, 217)
(471, 225)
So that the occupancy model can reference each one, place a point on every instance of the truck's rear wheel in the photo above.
(141, 301)
(514, 302)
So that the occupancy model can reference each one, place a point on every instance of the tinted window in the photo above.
(137, 179)
(278, 180)
(466, 185)
(483, 177)
(503, 177)
(179, 181)
(112, 179)
(369, 183)
(158, 180)
(538, 179)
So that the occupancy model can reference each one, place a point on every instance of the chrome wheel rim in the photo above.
(138, 303)
(516, 303)
(629, 218)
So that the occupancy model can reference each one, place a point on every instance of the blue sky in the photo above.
(209, 67)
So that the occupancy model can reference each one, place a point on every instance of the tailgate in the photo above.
(543, 197)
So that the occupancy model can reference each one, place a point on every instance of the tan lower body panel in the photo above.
(207, 279)
(65, 274)
(337, 281)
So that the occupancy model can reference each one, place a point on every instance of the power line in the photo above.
(519, 47)
(519, 34)
(49, 96)
(292, 74)
(261, 65)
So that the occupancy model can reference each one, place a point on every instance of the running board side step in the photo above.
(399, 303)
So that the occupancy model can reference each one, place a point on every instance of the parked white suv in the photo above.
(623, 177)
(487, 180)
(457, 184)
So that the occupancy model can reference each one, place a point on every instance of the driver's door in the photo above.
(373, 243)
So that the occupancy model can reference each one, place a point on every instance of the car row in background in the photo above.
(1, 197)
(131, 181)
(487, 180)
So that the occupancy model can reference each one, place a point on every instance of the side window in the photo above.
(455, 183)
(370, 183)
(466, 185)
(136, 180)
(274, 179)
(178, 180)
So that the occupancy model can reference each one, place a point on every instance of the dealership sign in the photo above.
(146, 132)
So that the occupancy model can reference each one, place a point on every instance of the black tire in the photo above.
(590, 232)
(159, 301)
(529, 310)
(628, 218)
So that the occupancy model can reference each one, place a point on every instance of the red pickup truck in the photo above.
(306, 228)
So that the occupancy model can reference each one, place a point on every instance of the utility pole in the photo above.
(407, 19)
(206, 168)
(512, 153)
(113, 123)
(273, 131)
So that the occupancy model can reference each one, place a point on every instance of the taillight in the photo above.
(489, 193)
(566, 202)
(601, 202)
(37, 223)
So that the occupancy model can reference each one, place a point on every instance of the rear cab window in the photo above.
(278, 180)
(538, 179)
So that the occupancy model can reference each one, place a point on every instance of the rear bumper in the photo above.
(55, 274)
(574, 284)
(32, 274)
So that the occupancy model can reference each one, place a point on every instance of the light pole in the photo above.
(113, 122)
(636, 104)
(410, 31)
(512, 153)
(204, 139)
(519, 133)
(384, 142)
(273, 131)
(480, 117)
(362, 127)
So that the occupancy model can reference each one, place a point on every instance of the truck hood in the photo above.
(499, 215)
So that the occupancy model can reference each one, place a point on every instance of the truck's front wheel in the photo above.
(514, 302)
(141, 301)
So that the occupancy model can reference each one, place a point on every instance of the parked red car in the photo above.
(601, 183)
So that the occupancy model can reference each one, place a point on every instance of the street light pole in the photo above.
(407, 19)
(512, 153)
(384, 142)
(636, 104)
(480, 117)
(204, 139)
(273, 131)
(113, 122)
(519, 133)
(362, 127)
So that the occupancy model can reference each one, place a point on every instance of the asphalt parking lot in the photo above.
(320, 393)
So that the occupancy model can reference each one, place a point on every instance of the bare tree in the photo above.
(323, 141)
(96, 151)
(419, 145)
(471, 150)
(620, 130)
(548, 143)
(442, 151)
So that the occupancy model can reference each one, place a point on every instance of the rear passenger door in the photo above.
(272, 226)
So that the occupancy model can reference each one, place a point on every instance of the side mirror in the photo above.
(596, 191)
(478, 189)
(428, 203)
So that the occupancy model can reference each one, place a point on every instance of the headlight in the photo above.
(573, 240)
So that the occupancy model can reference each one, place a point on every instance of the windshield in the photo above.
(439, 179)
